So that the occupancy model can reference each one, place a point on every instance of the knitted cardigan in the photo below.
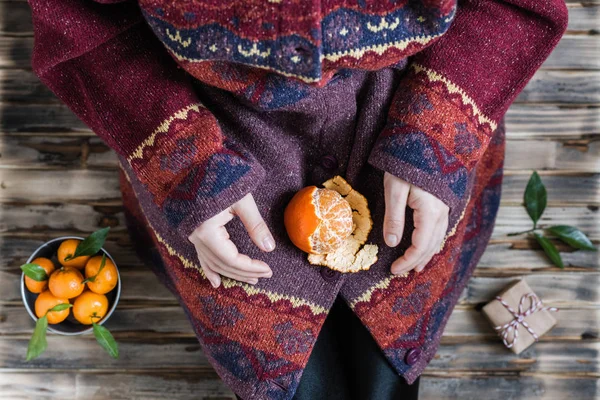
(132, 72)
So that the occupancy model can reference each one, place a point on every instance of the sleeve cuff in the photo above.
(413, 157)
(210, 188)
(434, 136)
(191, 170)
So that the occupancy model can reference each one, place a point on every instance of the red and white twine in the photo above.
(519, 318)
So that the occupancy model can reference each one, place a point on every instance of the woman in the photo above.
(223, 109)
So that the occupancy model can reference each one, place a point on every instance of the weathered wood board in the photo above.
(60, 152)
(52, 167)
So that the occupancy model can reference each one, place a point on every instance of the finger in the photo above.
(409, 258)
(213, 272)
(421, 240)
(396, 194)
(422, 261)
(227, 252)
(258, 230)
(233, 275)
(439, 235)
(226, 268)
(442, 237)
(433, 248)
(213, 277)
(209, 226)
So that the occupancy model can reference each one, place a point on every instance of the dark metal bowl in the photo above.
(69, 326)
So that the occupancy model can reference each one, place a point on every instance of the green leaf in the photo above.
(37, 343)
(106, 340)
(93, 278)
(34, 271)
(572, 236)
(60, 307)
(535, 197)
(91, 244)
(550, 250)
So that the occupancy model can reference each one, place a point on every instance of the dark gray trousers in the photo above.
(347, 364)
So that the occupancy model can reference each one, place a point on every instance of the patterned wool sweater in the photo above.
(190, 95)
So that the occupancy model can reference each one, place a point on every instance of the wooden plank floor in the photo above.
(57, 178)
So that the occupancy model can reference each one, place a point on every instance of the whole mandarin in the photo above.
(67, 248)
(45, 301)
(106, 280)
(90, 307)
(66, 283)
(39, 286)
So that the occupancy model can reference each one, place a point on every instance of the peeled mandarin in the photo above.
(318, 221)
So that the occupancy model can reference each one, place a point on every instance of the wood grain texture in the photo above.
(81, 185)
(538, 387)
(578, 289)
(176, 354)
(571, 87)
(190, 385)
(57, 152)
(53, 218)
(522, 121)
(572, 155)
(466, 325)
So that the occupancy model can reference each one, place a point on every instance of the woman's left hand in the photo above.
(430, 218)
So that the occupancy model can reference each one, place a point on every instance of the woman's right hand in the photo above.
(218, 255)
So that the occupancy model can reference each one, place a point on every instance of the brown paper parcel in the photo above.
(540, 320)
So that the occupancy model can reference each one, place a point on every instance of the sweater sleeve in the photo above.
(103, 61)
(456, 91)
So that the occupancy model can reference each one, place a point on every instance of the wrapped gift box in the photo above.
(519, 316)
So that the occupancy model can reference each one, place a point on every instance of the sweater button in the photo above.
(329, 162)
(329, 275)
(412, 356)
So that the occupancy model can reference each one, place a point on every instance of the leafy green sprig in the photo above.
(535, 199)
(37, 343)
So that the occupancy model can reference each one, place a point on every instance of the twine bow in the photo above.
(535, 305)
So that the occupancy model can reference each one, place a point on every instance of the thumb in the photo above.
(396, 194)
(258, 230)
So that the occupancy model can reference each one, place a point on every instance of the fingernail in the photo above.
(391, 240)
(268, 243)
(213, 283)
(268, 274)
(397, 271)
